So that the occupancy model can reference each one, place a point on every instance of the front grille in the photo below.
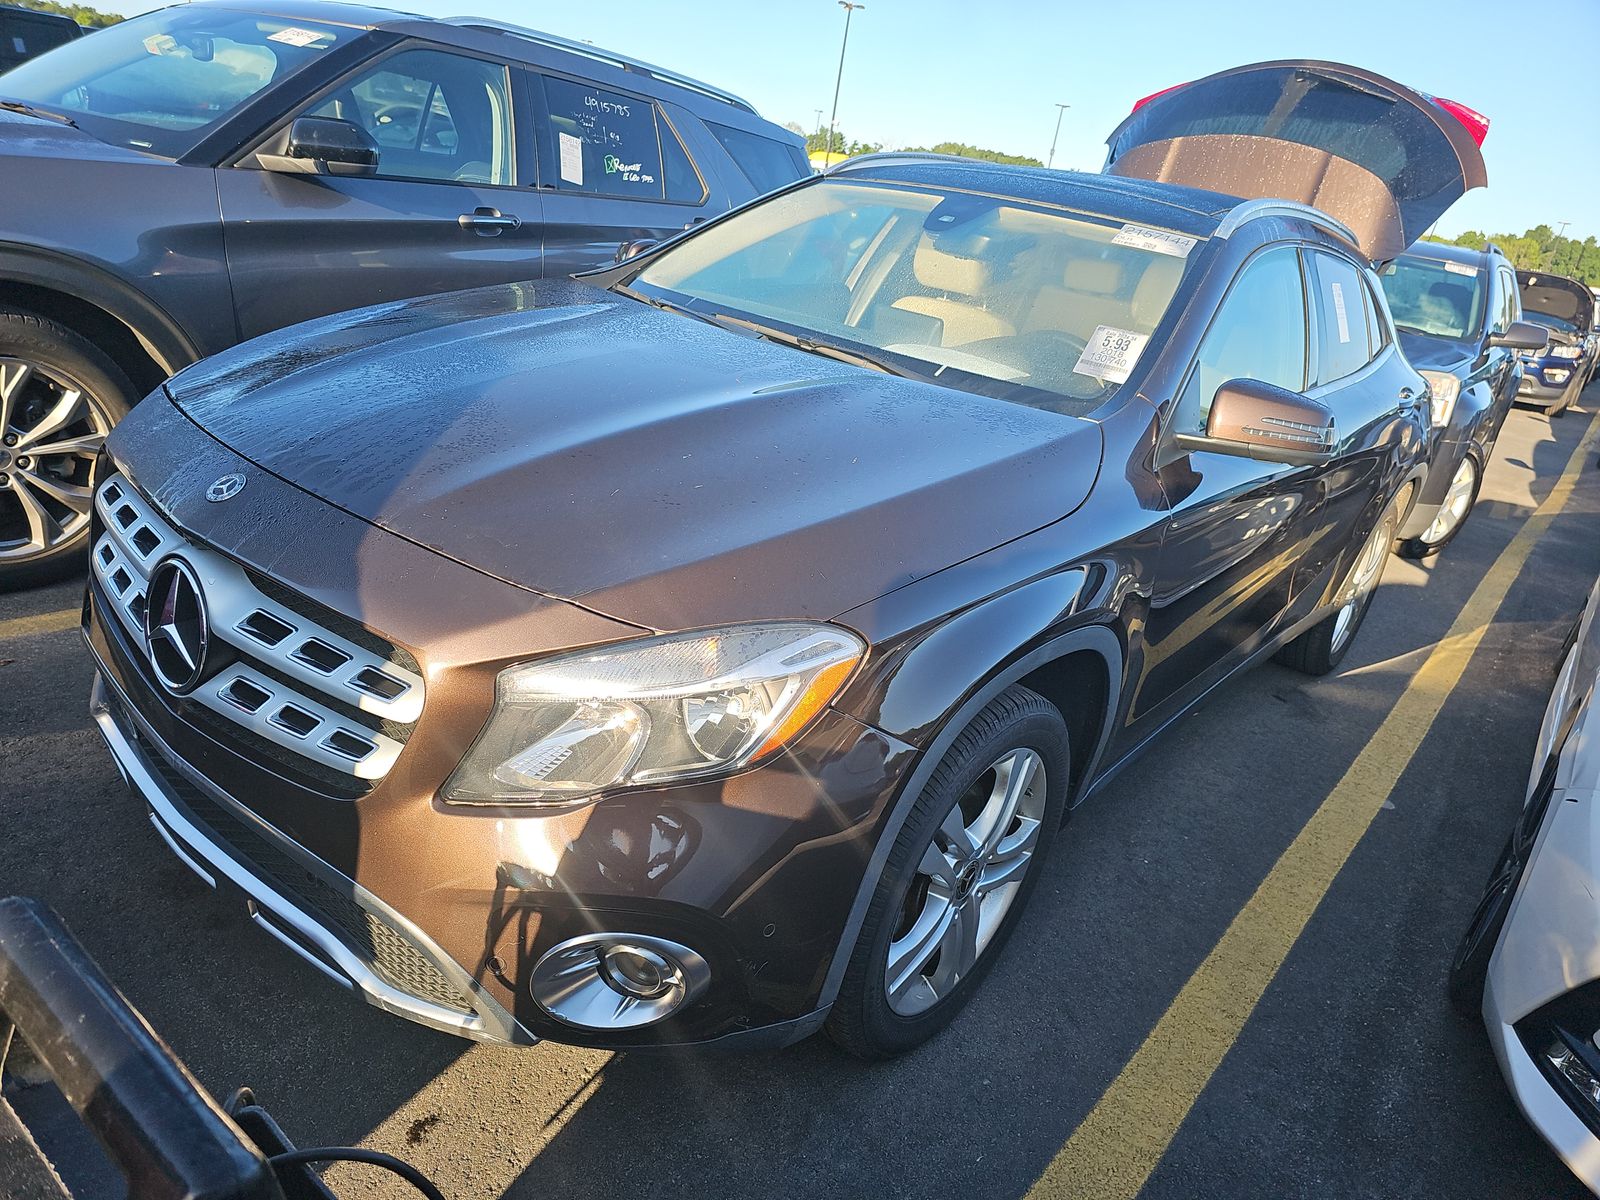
(391, 955)
(314, 685)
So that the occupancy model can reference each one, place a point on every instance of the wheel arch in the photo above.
(1089, 655)
(140, 336)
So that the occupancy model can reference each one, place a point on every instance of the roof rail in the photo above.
(1252, 209)
(609, 57)
(1491, 248)
(885, 158)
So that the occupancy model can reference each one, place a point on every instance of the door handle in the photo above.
(488, 222)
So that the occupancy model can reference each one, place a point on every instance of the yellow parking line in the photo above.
(50, 622)
(1113, 1152)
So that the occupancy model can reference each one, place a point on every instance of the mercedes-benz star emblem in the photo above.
(175, 626)
(225, 488)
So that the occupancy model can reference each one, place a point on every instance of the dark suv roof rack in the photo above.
(1491, 248)
(609, 57)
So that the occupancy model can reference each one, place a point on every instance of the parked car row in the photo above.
(734, 624)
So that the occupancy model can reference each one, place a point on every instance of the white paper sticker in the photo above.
(1339, 314)
(1158, 240)
(1460, 269)
(1111, 354)
(294, 36)
(571, 158)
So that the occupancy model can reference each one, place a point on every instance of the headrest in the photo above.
(1097, 276)
(1452, 294)
(949, 272)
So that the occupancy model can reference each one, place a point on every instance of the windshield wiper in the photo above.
(1404, 328)
(33, 110)
(664, 305)
(812, 346)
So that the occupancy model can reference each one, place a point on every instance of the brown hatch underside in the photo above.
(1264, 168)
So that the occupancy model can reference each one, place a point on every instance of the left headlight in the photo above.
(656, 710)
(1446, 389)
(1566, 352)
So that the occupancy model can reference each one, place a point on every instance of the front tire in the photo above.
(957, 878)
(1322, 647)
(1458, 504)
(59, 397)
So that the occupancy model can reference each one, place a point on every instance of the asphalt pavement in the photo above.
(1349, 1078)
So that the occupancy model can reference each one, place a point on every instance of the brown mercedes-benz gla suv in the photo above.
(707, 651)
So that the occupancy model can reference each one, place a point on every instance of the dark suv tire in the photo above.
(1465, 486)
(59, 395)
(957, 877)
(1322, 647)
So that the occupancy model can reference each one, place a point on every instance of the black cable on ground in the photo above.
(375, 1158)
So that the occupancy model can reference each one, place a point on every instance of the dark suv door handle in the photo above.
(488, 222)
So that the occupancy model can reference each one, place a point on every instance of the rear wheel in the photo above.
(1453, 513)
(59, 397)
(957, 878)
(1322, 647)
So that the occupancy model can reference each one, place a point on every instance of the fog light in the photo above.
(1556, 375)
(610, 981)
(635, 971)
(1575, 1071)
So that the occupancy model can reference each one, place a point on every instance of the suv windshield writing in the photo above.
(1433, 297)
(990, 295)
(160, 81)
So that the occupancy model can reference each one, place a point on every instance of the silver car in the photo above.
(1530, 960)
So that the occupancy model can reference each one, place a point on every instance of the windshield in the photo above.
(1559, 324)
(1444, 299)
(161, 81)
(977, 292)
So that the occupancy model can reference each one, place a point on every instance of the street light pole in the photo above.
(833, 122)
(819, 122)
(1061, 111)
(1562, 232)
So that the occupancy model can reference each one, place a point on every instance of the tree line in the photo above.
(89, 18)
(839, 143)
(1540, 249)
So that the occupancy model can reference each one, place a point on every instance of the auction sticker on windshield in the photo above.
(1111, 353)
(1158, 240)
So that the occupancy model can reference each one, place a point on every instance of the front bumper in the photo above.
(1547, 379)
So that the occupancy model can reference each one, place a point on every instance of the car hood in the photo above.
(40, 137)
(1557, 296)
(1426, 352)
(650, 466)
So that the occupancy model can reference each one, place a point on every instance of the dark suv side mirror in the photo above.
(635, 246)
(1251, 419)
(1522, 335)
(324, 146)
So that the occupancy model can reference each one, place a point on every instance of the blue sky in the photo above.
(920, 71)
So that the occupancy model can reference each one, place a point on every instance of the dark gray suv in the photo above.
(206, 173)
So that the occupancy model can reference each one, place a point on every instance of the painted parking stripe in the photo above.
(51, 622)
(1113, 1152)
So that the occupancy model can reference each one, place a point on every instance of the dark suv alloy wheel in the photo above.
(957, 878)
(59, 397)
(1459, 502)
(1322, 647)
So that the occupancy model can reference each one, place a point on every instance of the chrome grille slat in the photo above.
(327, 670)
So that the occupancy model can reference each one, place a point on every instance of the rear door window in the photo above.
(435, 116)
(766, 163)
(609, 144)
(1259, 333)
(1343, 340)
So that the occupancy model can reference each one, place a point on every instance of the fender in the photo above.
(161, 336)
(1001, 616)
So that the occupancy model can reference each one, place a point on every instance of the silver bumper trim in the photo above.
(200, 853)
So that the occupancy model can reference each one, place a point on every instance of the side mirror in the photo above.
(635, 246)
(1522, 335)
(1251, 419)
(324, 146)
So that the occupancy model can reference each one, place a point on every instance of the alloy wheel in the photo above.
(966, 881)
(1363, 580)
(50, 431)
(1457, 503)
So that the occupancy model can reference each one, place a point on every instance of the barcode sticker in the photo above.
(1339, 314)
(1111, 354)
(295, 36)
(1460, 269)
(1159, 240)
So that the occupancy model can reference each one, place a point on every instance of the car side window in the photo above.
(1259, 333)
(435, 116)
(1343, 345)
(1510, 308)
(611, 144)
